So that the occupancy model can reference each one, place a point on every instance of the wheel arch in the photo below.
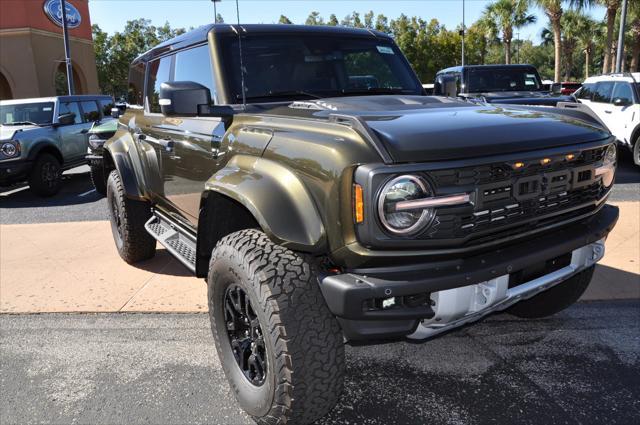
(117, 155)
(45, 147)
(258, 193)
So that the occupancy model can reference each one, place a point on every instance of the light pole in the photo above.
(215, 11)
(463, 32)
(67, 53)
(518, 47)
(620, 53)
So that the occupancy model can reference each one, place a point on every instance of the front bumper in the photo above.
(349, 296)
(14, 171)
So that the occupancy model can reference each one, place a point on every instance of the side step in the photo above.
(176, 240)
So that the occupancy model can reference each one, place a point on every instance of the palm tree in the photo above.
(588, 31)
(612, 11)
(579, 30)
(553, 10)
(509, 15)
(634, 27)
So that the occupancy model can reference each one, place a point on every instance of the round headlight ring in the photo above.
(610, 155)
(10, 149)
(426, 215)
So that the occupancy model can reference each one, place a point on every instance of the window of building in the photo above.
(159, 72)
(91, 111)
(623, 91)
(195, 65)
(70, 108)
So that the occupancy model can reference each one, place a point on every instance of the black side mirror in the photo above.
(556, 88)
(115, 112)
(67, 119)
(618, 101)
(184, 98)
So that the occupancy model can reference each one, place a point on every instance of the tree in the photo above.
(634, 30)
(382, 24)
(352, 20)
(284, 20)
(586, 31)
(553, 10)
(333, 20)
(507, 16)
(368, 20)
(219, 19)
(479, 37)
(314, 19)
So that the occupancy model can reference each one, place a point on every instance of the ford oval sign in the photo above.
(53, 9)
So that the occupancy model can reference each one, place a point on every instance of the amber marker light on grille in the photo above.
(358, 203)
(545, 161)
(570, 157)
(518, 165)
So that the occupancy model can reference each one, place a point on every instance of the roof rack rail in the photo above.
(622, 74)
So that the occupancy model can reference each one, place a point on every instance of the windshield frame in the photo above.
(223, 67)
(45, 104)
(493, 69)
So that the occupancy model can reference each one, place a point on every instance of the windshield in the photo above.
(312, 66)
(27, 113)
(502, 79)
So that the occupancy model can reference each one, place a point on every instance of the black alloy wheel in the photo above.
(245, 335)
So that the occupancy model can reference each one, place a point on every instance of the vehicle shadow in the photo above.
(77, 189)
(627, 171)
(164, 263)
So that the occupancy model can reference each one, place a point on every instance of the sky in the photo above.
(111, 15)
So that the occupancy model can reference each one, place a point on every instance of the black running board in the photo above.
(175, 239)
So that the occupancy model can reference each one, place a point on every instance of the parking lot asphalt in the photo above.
(581, 366)
(78, 201)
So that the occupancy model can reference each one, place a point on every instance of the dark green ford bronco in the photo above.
(302, 172)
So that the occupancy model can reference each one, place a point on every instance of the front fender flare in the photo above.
(120, 150)
(277, 199)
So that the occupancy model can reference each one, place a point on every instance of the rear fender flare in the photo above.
(277, 199)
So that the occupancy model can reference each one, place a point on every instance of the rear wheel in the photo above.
(97, 176)
(555, 299)
(636, 152)
(128, 218)
(45, 178)
(280, 347)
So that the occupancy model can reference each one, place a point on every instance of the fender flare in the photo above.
(37, 147)
(120, 153)
(277, 199)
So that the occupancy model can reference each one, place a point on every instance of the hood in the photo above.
(421, 128)
(522, 98)
(8, 131)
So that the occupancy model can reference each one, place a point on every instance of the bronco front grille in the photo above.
(509, 202)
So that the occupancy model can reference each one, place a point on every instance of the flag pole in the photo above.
(67, 53)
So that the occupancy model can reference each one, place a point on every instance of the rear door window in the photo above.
(90, 111)
(623, 91)
(602, 93)
(159, 72)
(70, 108)
(195, 65)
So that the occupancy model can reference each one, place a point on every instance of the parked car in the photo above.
(615, 99)
(42, 137)
(569, 87)
(98, 134)
(510, 84)
(319, 210)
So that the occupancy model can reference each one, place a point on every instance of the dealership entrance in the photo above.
(32, 51)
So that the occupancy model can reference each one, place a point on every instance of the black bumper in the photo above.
(14, 171)
(347, 294)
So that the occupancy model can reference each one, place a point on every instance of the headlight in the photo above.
(10, 149)
(608, 168)
(404, 188)
(95, 141)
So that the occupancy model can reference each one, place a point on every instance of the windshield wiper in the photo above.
(21, 123)
(284, 93)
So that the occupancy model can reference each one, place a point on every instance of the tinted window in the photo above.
(24, 113)
(159, 72)
(602, 92)
(91, 111)
(623, 91)
(585, 92)
(136, 84)
(502, 79)
(195, 65)
(279, 65)
(106, 106)
(71, 108)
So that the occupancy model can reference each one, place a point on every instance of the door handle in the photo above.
(84, 131)
(607, 112)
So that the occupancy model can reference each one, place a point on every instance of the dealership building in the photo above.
(32, 59)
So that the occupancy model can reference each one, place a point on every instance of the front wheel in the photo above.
(45, 178)
(280, 347)
(555, 299)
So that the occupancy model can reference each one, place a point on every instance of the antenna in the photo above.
(244, 95)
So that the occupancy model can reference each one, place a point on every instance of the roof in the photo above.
(460, 68)
(77, 98)
(626, 76)
(200, 34)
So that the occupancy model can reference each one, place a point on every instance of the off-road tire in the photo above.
(303, 341)
(636, 152)
(128, 218)
(555, 299)
(45, 178)
(97, 176)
